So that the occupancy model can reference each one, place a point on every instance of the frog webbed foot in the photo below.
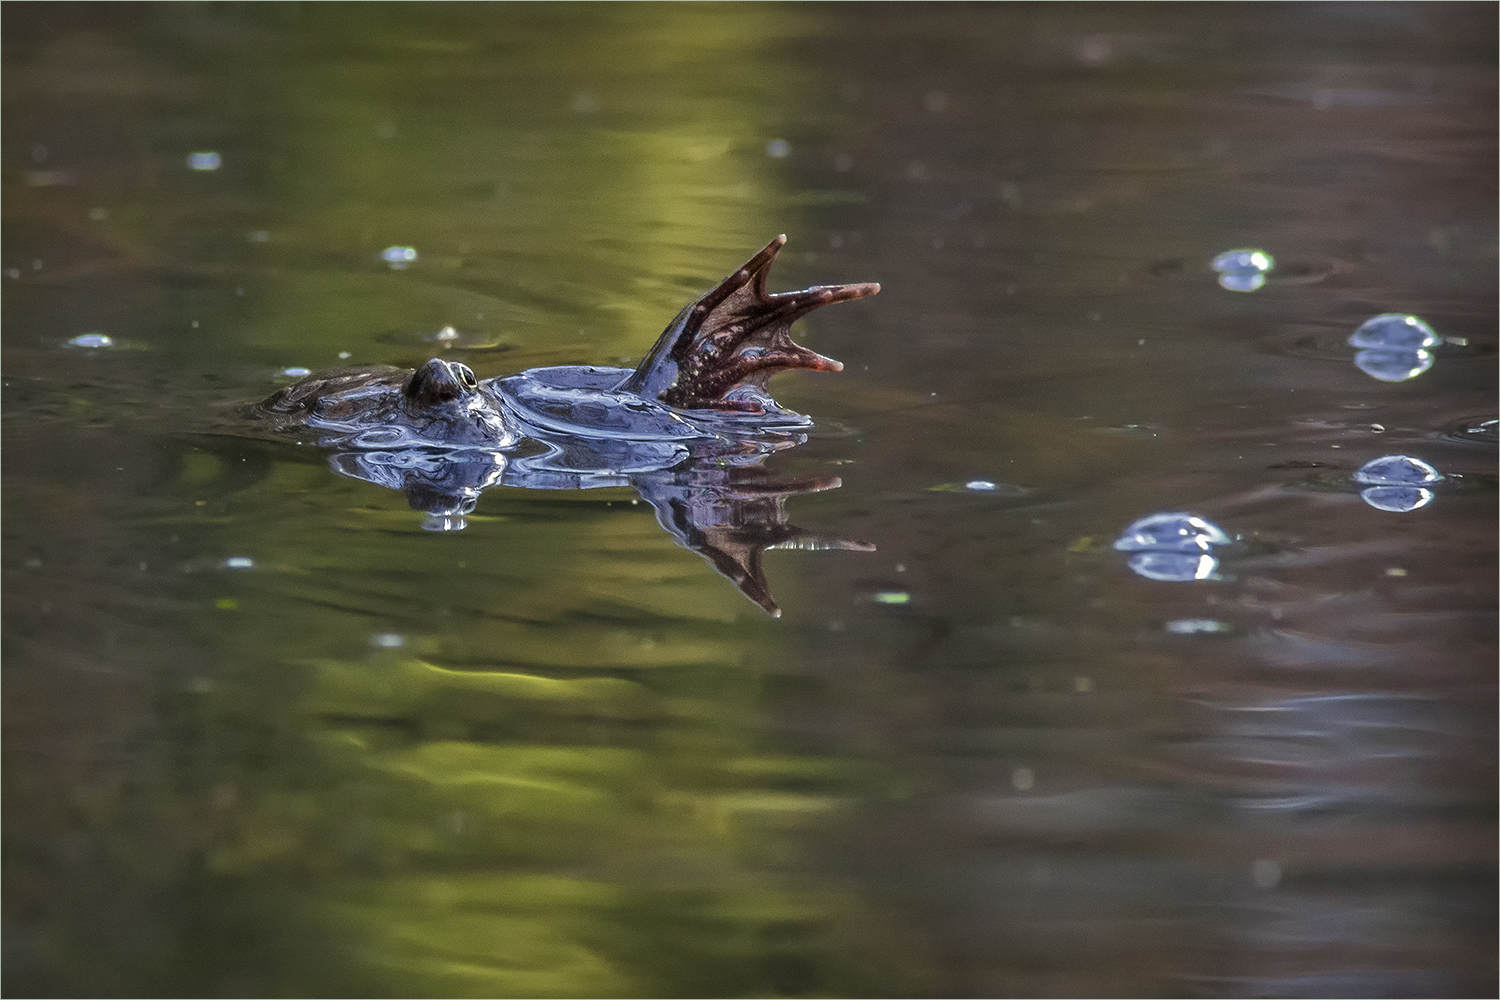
(738, 334)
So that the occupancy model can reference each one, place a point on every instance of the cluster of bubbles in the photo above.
(1172, 547)
(1176, 547)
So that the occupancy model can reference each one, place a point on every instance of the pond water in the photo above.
(265, 734)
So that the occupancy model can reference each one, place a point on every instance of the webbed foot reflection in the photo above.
(718, 501)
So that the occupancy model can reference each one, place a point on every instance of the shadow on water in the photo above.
(265, 735)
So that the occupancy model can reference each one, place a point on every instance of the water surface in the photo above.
(265, 735)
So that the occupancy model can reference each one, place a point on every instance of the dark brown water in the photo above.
(266, 736)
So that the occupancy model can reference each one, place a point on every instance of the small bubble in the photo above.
(388, 640)
(260, 236)
(398, 257)
(1266, 873)
(239, 562)
(584, 104)
(446, 333)
(1023, 779)
(98, 214)
(1397, 470)
(1243, 270)
(208, 160)
(1395, 331)
(778, 149)
(1196, 626)
(891, 597)
(297, 372)
(13, 273)
(1083, 685)
(1171, 532)
(345, 355)
(980, 486)
(92, 340)
(1395, 571)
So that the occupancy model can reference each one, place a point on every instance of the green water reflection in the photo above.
(533, 795)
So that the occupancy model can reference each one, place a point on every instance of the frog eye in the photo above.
(466, 376)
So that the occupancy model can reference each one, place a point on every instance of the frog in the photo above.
(705, 378)
(689, 428)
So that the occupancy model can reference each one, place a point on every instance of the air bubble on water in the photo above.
(1171, 532)
(980, 486)
(778, 149)
(1196, 626)
(1397, 470)
(92, 340)
(297, 372)
(398, 257)
(1243, 270)
(207, 160)
(388, 640)
(345, 355)
(239, 562)
(1395, 331)
(585, 104)
(445, 334)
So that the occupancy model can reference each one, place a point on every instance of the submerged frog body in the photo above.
(705, 378)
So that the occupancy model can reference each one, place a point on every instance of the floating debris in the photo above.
(891, 597)
(1243, 270)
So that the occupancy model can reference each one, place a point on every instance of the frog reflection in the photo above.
(728, 508)
(689, 428)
